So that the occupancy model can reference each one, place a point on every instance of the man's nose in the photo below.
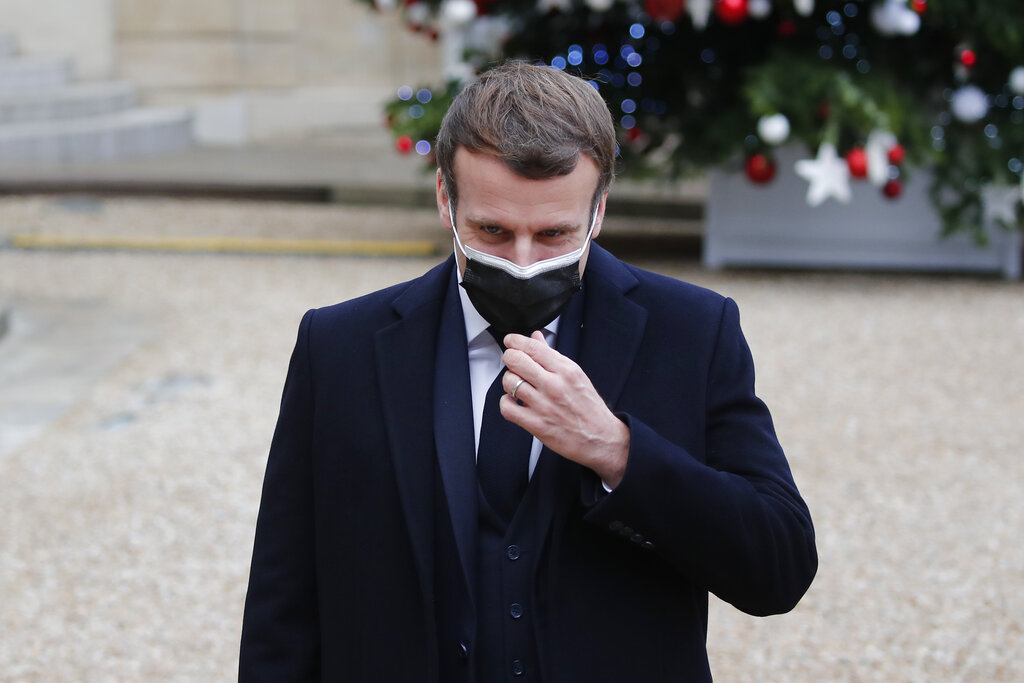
(524, 251)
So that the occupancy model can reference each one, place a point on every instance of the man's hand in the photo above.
(557, 403)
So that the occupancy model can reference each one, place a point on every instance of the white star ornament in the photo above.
(999, 203)
(828, 174)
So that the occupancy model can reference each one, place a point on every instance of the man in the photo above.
(411, 530)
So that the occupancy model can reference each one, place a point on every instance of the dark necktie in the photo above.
(503, 457)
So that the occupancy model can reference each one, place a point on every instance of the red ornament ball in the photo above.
(664, 10)
(897, 154)
(760, 168)
(857, 160)
(968, 58)
(731, 12)
(919, 6)
(634, 134)
(403, 144)
(892, 189)
(786, 28)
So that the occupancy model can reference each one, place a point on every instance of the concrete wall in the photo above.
(81, 29)
(255, 69)
(285, 66)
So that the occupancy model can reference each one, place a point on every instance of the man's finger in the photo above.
(536, 348)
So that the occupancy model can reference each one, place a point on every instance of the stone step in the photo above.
(6, 45)
(21, 74)
(130, 133)
(72, 101)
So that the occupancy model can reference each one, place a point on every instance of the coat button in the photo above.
(512, 552)
(647, 545)
(636, 538)
(463, 650)
(515, 610)
(517, 668)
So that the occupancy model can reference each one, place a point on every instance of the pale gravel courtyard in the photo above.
(126, 522)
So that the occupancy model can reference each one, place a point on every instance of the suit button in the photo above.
(463, 651)
(616, 525)
(517, 668)
(636, 538)
(512, 552)
(515, 610)
(647, 545)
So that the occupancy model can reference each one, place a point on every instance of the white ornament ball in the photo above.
(458, 12)
(894, 18)
(773, 129)
(909, 22)
(600, 5)
(759, 9)
(418, 13)
(1017, 80)
(804, 7)
(969, 104)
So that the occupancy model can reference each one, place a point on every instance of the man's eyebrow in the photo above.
(564, 226)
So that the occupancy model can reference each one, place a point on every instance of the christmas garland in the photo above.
(873, 88)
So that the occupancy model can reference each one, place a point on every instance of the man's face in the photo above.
(516, 218)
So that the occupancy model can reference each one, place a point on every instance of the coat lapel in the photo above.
(453, 431)
(405, 350)
(602, 333)
(613, 325)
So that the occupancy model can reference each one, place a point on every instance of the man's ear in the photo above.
(599, 220)
(443, 203)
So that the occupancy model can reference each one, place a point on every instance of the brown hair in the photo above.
(535, 119)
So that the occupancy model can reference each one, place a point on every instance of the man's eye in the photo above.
(491, 229)
(551, 233)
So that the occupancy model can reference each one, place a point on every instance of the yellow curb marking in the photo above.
(248, 245)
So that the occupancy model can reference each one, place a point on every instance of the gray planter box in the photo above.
(772, 225)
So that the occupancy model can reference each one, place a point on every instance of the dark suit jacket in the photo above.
(342, 581)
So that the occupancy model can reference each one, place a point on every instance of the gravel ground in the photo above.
(126, 524)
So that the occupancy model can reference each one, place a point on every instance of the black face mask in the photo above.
(516, 298)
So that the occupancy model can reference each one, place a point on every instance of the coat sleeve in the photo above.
(734, 523)
(280, 631)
